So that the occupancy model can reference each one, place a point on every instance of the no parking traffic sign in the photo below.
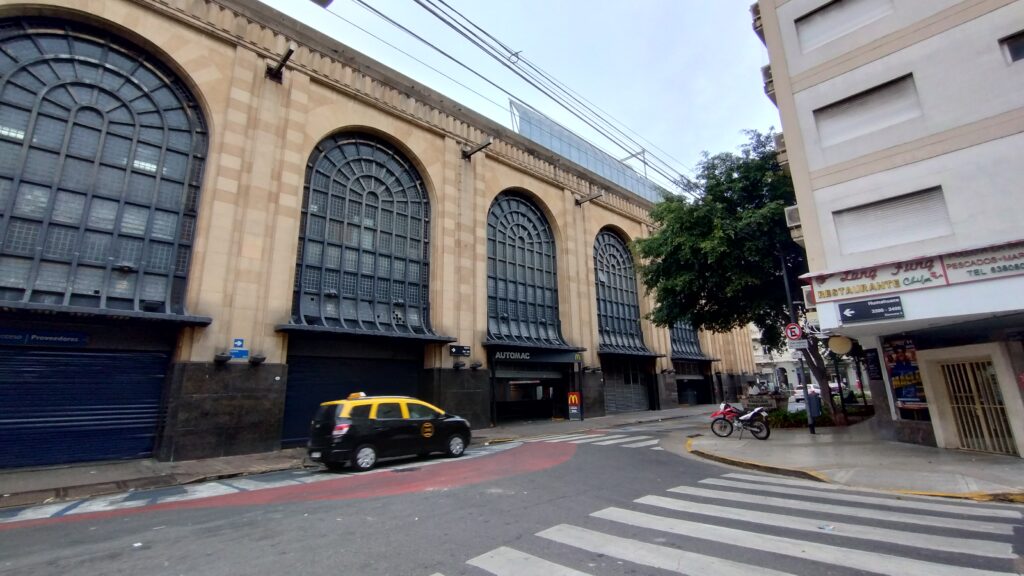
(794, 332)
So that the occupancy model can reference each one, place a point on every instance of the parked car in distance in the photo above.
(798, 392)
(362, 429)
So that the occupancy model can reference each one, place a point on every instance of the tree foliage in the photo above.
(714, 259)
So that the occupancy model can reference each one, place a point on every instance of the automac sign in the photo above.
(511, 355)
(958, 268)
(535, 356)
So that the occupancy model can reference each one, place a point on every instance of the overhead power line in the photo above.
(599, 114)
(545, 84)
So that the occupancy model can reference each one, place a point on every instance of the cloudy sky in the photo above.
(682, 75)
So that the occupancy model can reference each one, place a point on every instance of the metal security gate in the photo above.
(978, 407)
(625, 388)
(60, 406)
(312, 380)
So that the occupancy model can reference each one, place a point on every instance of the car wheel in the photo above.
(335, 466)
(365, 457)
(456, 446)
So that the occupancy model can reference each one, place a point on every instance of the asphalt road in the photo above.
(618, 502)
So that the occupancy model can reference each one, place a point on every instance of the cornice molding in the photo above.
(327, 61)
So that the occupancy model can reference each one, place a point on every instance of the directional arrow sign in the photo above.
(871, 310)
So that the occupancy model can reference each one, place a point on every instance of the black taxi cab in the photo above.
(362, 429)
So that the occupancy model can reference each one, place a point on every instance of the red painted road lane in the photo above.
(525, 459)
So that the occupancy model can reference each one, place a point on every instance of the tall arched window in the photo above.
(363, 244)
(685, 343)
(618, 308)
(101, 159)
(522, 280)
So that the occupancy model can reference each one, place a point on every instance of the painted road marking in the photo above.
(838, 529)
(595, 438)
(620, 440)
(924, 520)
(915, 505)
(835, 555)
(506, 561)
(825, 486)
(652, 555)
(212, 489)
(643, 444)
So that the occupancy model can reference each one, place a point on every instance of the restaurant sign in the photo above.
(958, 268)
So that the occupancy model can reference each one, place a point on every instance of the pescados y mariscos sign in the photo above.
(946, 270)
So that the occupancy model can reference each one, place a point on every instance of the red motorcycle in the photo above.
(724, 421)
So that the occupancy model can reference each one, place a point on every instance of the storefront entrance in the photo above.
(977, 400)
(532, 384)
(978, 408)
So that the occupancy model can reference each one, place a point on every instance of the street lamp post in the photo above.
(800, 373)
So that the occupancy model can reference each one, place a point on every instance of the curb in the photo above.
(1011, 497)
(82, 491)
(751, 465)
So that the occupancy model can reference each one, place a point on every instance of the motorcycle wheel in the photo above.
(721, 427)
(760, 430)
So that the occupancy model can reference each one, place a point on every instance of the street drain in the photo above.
(398, 470)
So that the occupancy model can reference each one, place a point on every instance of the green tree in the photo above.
(715, 257)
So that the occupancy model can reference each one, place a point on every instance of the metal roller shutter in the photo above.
(59, 406)
(625, 397)
(312, 380)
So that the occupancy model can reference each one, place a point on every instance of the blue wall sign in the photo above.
(16, 337)
(240, 353)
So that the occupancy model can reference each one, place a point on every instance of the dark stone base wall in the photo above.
(593, 394)
(668, 392)
(465, 393)
(224, 410)
(907, 431)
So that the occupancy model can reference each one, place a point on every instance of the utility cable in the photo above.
(510, 60)
(480, 43)
(386, 43)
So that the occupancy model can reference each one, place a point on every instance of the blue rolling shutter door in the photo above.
(59, 406)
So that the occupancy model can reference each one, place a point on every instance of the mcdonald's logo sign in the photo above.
(574, 398)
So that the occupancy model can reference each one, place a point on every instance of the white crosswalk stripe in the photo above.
(930, 506)
(506, 561)
(646, 554)
(818, 485)
(861, 559)
(938, 521)
(595, 439)
(685, 533)
(643, 444)
(838, 529)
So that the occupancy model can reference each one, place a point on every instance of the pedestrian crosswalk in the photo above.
(601, 439)
(770, 526)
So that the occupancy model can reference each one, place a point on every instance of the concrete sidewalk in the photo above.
(855, 457)
(30, 486)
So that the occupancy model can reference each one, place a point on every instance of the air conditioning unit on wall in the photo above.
(808, 297)
(792, 216)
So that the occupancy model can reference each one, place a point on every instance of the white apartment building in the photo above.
(904, 134)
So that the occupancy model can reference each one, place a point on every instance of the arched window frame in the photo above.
(685, 342)
(102, 150)
(363, 263)
(618, 304)
(522, 274)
